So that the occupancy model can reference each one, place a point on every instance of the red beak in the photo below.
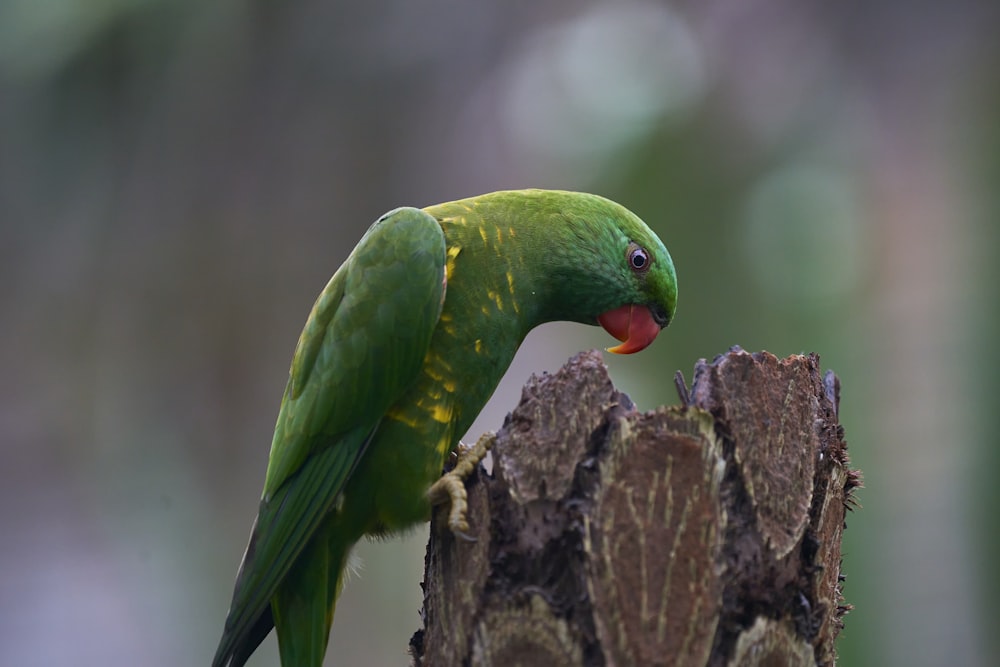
(633, 325)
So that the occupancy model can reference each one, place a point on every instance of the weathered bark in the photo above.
(704, 534)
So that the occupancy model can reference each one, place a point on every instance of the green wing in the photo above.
(361, 348)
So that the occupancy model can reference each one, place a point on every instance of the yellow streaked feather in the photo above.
(441, 413)
(399, 416)
(449, 265)
(496, 298)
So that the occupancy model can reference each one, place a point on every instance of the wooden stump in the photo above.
(703, 534)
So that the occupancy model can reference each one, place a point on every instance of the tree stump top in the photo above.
(700, 534)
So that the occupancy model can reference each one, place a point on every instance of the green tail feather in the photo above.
(304, 605)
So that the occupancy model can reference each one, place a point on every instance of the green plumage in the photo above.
(401, 351)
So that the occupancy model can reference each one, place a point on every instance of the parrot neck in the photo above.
(492, 283)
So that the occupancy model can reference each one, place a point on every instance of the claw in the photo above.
(450, 488)
(465, 537)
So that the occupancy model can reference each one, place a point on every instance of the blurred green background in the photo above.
(179, 179)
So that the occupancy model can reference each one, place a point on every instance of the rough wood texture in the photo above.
(704, 534)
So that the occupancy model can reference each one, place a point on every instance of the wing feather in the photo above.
(361, 348)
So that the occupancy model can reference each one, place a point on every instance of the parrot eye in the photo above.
(638, 258)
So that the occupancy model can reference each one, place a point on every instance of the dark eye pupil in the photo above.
(638, 259)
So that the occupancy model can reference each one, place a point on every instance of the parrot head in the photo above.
(613, 271)
(650, 295)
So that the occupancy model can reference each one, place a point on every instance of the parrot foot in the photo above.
(450, 488)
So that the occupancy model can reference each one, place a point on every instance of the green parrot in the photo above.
(401, 351)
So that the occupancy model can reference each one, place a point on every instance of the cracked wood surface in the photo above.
(703, 534)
